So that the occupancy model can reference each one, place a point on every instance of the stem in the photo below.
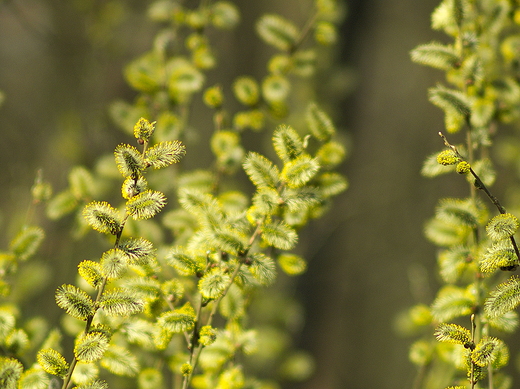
(480, 185)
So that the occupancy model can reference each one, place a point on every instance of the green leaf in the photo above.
(261, 171)
(52, 362)
(120, 361)
(277, 31)
(279, 235)
(287, 143)
(504, 298)
(129, 161)
(213, 284)
(91, 347)
(450, 100)
(319, 123)
(165, 153)
(246, 90)
(91, 272)
(453, 333)
(10, 371)
(436, 55)
(102, 217)
(146, 204)
(292, 264)
(178, 320)
(75, 302)
(299, 171)
(119, 302)
(113, 263)
(25, 244)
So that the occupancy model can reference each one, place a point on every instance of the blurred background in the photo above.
(61, 66)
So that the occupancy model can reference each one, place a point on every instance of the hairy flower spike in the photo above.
(102, 217)
(453, 333)
(52, 362)
(463, 167)
(447, 157)
(208, 335)
(143, 130)
(502, 226)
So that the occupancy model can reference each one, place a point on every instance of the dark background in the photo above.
(60, 67)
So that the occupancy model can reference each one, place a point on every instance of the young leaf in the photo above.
(75, 302)
(102, 217)
(113, 263)
(504, 298)
(261, 171)
(129, 161)
(277, 31)
(120, 361)
(292, 264)
(287, 143)
(145, 205)
(436, 55)
(52, 362)
(453, 333)
(10, 371)
(279, 235)
(91, 272)
(120, 302)
(299, 171)
(213, 284)
(319, 123)
(165, 153)
(179, 320)
(25, 244)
